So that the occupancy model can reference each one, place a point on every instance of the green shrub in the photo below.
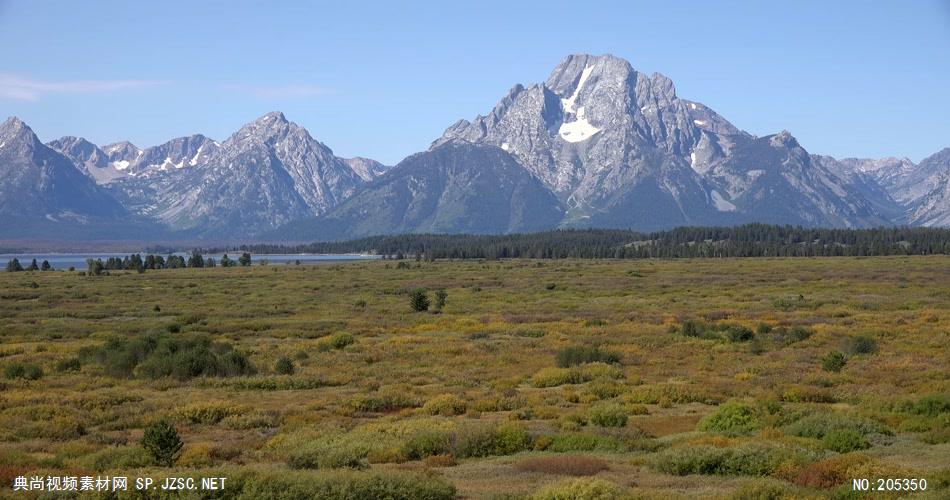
(529, 333)
(207, 413)
(580, 489)
(383, 402)
(284, 366)
(579, 441)
(446, 405)
(861, 344)
(440, 298)
(608, 415)
(340, 340)
(834, 361)
(844, 440)
(426, 444)
(732, 417)
(737, 333)
(120, 458)
(419, 300)
(161, 440)
(576, 355)
(158, 356)
(746, 460)
(693, 328)
(928, 405)
(605, 389)
(485, 441)
(26, 371)
(68, 365)
(819, 424)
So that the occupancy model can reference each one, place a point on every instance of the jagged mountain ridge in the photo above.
(597, 130)
(44, 194)
(614, 147)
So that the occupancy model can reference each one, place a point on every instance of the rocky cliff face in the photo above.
(620, 148)
(268, 173)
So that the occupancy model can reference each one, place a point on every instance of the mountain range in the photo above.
(597, 144)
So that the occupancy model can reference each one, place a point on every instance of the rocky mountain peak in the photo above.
(784, 139)
(13, 127)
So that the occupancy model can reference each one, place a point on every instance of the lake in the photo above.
(61, 261)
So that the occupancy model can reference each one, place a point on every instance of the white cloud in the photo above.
(16, 87)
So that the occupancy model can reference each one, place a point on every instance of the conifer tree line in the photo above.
(750, 240)
(135, 262)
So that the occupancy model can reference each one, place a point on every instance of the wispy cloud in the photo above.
(17, 87)
(278, 91)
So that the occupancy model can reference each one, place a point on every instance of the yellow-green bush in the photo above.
(580, 489)
(446, 405)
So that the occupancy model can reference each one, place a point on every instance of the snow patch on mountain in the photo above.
(722, 204)
(580, 129)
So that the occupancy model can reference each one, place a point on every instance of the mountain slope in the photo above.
(43, 194)
(268, 173)
(452, 188)
(933, 208)
(621, 149)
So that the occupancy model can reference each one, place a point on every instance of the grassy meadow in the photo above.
(724, 378)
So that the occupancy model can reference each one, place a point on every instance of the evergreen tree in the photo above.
(226, 261)
(440, 296)
(196, 260)
(14, 265)
(34, 266)
(46, 266)
(245, 259)
(419, 300)
(94, 267)
(161, 440)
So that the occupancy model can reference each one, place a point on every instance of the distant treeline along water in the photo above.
(751, 240)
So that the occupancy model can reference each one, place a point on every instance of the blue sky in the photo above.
(383, 79)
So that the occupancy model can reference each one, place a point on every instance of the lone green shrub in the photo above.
(732, 418)
(284, 366)
(580, 489)
(861, 344)
(68, 365)
(419, 300)
(576, 355)
(446, 405)
(340, 340)
(608, 415)
(485, 441)
(161, 440)
(834, 361)
(738, 333)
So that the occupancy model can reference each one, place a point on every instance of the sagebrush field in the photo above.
(745, 378)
